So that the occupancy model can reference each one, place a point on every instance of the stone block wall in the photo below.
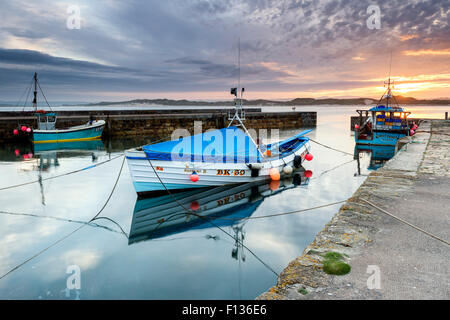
(119, 124)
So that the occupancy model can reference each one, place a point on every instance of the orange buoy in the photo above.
(274, 174)
(194, 177)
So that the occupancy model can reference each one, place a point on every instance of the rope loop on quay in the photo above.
(405, 222)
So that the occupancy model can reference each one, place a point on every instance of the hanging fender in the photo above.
(255, 167)
(297, 161)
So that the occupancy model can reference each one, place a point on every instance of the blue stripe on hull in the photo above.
(84, 134)
(96, 144)
(381, 139)
(156, 186)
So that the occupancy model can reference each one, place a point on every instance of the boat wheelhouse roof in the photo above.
(383, 108)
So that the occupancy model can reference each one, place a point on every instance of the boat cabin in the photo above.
(382, 118)
(46, 120)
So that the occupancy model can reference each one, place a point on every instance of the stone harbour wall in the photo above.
(121, 124)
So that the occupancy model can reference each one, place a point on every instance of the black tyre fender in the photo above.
(297, 161)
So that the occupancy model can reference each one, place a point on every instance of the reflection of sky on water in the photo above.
(185, 265)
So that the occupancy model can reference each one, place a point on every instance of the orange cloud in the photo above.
(408, 37)
(426, 52)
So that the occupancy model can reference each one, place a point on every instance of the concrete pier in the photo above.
(161, 122)
(389, 259)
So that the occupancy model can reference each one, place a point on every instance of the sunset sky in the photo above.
(187, 49)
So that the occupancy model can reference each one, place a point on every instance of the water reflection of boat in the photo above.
(378, 155)
(70, 146)
(162, 216)
(43, 157)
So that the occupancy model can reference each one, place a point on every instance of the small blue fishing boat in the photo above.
(46, 131)
(383, 124)
(214, 158)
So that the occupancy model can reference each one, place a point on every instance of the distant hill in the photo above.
(262, 102)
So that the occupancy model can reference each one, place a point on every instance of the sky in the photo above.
(188, 49)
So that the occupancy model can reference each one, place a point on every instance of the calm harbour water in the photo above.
(201, 262)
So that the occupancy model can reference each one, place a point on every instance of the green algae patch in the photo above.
(303, 291)
(338, 268)
(333, 256)
(333, 264)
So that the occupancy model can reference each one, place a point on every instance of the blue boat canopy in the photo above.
(223, 145)
(386, 109)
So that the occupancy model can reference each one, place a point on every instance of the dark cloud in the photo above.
(192, 45)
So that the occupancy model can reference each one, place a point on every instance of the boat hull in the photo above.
(147, 174)
(80, 133)
(380, 139)
(88, 145)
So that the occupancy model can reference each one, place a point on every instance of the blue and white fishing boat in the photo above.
(214, 158)
(47, 132)
(384, 124)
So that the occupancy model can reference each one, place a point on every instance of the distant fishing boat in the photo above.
(386, 123)
(215, 158)
(47, 132)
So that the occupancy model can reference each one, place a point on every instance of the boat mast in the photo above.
(389, 82)
(35, 92)
(239, 114)
(389, 92)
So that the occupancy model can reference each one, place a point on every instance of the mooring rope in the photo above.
(95, 225)
(405, 222)
(284, 213)
(323, 145)
(433, 132)
(72, 232)
(61, 175)
(334, 168)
